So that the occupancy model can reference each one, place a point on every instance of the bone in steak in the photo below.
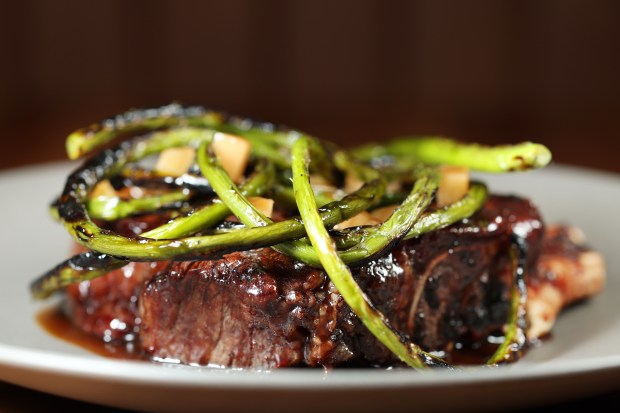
(445, 290)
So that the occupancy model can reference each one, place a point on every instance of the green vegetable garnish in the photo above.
(404, 172)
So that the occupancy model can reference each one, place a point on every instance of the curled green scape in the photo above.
(280, 167)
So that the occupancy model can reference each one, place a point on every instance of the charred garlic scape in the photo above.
(338, 208)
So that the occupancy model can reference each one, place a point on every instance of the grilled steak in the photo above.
(445, 290)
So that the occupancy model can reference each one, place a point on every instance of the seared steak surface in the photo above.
(444, 290)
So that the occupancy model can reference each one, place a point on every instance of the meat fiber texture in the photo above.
(446, 290)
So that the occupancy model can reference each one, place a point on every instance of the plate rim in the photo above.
(129, 371)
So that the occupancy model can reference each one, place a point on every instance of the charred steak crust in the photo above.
(261, 309)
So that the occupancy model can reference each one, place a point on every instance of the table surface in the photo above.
(15, 399)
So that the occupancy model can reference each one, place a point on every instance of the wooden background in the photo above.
(350, 71)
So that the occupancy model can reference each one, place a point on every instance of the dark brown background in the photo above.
(350, 71)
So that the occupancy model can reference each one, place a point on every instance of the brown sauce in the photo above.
(473, 356)
(54, 321)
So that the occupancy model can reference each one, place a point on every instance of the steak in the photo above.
(447, 290)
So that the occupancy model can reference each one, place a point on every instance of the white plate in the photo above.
(582, 357)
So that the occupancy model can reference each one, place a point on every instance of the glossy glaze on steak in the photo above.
(445, 290)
